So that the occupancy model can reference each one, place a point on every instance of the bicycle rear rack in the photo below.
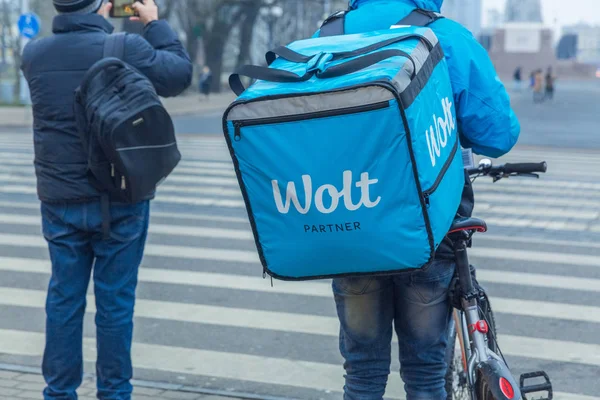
(537, 387)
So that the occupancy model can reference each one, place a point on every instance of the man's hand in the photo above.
(105, 10)
(146, 11)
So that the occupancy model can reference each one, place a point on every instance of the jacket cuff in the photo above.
(159, 34)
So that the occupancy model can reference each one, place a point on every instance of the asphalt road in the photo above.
(571, 120)
(206, 318)
(200, 124)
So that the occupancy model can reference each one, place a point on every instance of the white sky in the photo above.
(558, 12)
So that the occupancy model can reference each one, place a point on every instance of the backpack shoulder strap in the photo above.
(334, 25)
(420, 17)
(114, 45)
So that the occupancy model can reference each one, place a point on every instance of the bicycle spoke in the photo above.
(460, 389)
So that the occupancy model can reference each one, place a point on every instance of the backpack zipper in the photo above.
(427, 193)
(239, 124)
(104, 91)
(123, 183)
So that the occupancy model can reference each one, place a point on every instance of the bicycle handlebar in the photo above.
(508, 169)
(525, 168)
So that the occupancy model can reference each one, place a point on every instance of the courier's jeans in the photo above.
(74, 235)
(417, 305)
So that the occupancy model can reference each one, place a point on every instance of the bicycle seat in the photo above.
(468, 224)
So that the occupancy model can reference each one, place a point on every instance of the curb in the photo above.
(20, 117)
(201, 111)
(191, 104)
(159, 385)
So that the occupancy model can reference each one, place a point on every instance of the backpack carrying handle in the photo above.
(363, 62)
(293, 56)
(279, 75)
(264, 74)
(286, 54)
(99, 66)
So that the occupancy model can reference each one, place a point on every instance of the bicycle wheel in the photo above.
(488, 315)
(457, 386)
(483, 390)
(494, 385)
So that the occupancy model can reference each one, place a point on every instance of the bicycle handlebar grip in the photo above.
(473, 171)
(525, 168)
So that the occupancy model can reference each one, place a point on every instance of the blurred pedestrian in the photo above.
(518, 78)
(538, 86)
(206, 81)
(550, 81)
(72, 212)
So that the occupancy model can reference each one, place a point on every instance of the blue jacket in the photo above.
(486, 121)
(54, 67)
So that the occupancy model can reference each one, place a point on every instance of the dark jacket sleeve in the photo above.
(161, 57)
(26, 58)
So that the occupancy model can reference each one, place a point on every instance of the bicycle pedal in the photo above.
(545, 386)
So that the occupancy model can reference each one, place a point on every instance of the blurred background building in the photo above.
(523, 11)
(467, 12)
(580, 42)
(521, 39)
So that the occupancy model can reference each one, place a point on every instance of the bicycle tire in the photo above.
(488, 315)
(482, 390)
(457, 387)
(456, 378)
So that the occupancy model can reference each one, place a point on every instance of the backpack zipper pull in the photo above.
(112, 170)
(237, 135)
(123, 183)
(426, 198)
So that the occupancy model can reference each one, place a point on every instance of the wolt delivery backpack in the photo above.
(346, 151)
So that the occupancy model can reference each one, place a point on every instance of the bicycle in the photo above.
(477, 370)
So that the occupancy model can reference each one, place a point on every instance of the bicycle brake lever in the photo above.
(535, 176)
(496, 178)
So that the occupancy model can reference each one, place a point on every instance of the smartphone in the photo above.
(122, 9)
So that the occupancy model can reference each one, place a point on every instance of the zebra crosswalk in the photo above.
(205, 317)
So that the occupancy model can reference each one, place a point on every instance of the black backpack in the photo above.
(127, 133)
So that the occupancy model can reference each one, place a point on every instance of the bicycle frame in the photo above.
(472, 330)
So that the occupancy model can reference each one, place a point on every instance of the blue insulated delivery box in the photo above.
(346, 152)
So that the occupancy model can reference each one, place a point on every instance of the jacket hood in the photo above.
(432, 5)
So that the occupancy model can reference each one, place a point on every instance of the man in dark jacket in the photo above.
(71, 215)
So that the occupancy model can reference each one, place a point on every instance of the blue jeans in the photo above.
(417, 305)
(74, 235)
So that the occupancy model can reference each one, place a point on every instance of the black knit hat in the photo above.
(77, 6)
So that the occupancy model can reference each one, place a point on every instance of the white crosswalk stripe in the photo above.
(540, 263)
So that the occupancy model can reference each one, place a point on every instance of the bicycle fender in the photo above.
(499, 379)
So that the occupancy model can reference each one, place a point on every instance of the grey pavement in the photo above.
(569, 121)
(19, 385)
(206, 320)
